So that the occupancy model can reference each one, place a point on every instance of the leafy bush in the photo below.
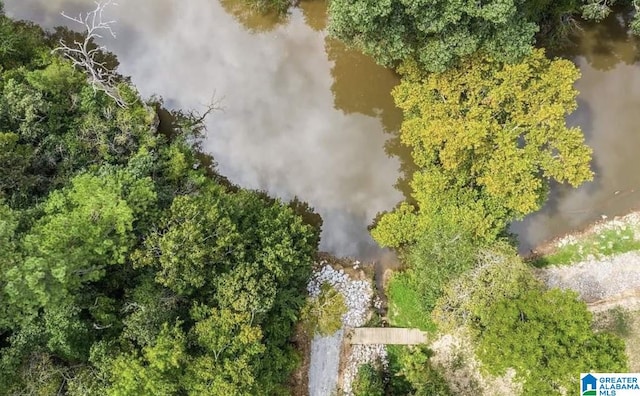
(368, 382)
(544, 334)
(323, 314)
(437, 34)
(126, 266)
(411, 373)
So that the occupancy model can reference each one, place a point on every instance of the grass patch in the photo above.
(405, 306)
(604, 243)
(398, 384)
(626, 325)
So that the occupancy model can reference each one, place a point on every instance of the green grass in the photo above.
(626, 325)
(601, 244)
(398, 384)
(405, 307)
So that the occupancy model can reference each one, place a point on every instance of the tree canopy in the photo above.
(434, 34)
(127, 265)
(598, 10)
(545, 335)
(487, 138)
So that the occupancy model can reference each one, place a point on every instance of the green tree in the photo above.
(487, 139)
(67, 335)
(418, 370)
(86, 227)
(368, 382)
(440, 255)
(323, 314)
(148, 306)
(83, 184)
(600, 9)
(436, 34)
(239, 253)
(53, 112)
(199, 238)
(38, 375)
(232, 348)
(545, 335)
(498, 273)
(9, 257)
(21, 42)
(17, 181)
(158, 371)
(19, 346)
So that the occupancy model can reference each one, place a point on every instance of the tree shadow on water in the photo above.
(253, 18)
(395, 148)
(314, 13)
(362, 86)
(603, 44)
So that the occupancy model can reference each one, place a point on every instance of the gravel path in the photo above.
(325, 351)
(597, 280)
(323, 370)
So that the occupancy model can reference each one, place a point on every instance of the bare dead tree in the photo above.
(194, 119)
(83, 53)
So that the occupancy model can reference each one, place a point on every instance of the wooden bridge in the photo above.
(386, 335)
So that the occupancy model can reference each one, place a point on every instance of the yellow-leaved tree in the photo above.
(487, 138)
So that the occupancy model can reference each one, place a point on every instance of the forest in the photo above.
(130, 266)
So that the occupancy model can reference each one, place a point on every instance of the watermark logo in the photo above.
(610, 384)
(589, 384)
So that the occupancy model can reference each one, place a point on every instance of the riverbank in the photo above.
(602, 264)
(602, 239)
(329, 363)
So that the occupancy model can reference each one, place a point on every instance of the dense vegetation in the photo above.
(600, 9)
(435, 34)
(368, 382)
(323, 314)
(544, 334)
(127, 266)
(484, 118)
(486, 138)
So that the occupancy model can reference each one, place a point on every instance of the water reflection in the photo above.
(251, 18)
(361, 86)
(394, 147)
(314, 13)
(282, 129)
(306, 117)
(606, 44)
(608, 114)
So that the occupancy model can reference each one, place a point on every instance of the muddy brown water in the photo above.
(304, 116)
(609, 115)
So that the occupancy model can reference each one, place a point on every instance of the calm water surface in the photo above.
(609, 114)
(302, 116)
(305, 117)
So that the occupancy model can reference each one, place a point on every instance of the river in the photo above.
(608, 113)
(303, 116)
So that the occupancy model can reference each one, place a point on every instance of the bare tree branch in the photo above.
(197, 118)
(83, 53)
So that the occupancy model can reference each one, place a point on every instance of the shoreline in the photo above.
(552, 246)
